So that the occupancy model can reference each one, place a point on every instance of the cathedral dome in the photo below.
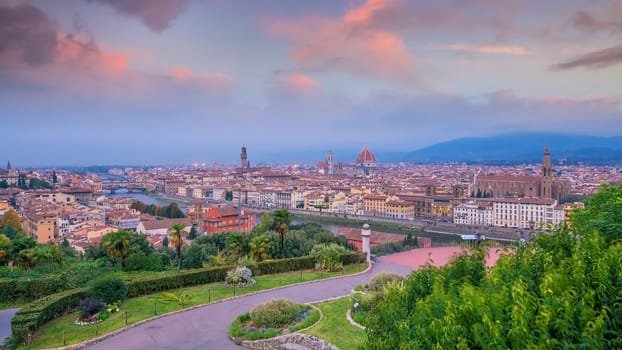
(366, 157)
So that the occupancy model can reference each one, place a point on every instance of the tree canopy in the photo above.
(562, 290)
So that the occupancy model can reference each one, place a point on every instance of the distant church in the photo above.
(545, 186)
(365, 164)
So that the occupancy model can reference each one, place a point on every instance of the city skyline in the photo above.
(172, 82)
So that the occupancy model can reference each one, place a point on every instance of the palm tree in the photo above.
(117, 245)
(236, 244)
(177, 238)
(259, 247)
(282, 218)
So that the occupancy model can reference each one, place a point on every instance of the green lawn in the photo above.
(51, 334)
(335, 327)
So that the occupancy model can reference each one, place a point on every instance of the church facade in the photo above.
(545, 186)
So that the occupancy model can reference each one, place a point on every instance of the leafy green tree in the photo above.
(37, 184)
(281, 218)
(410, 242)
(20, 243)
(265, 224)
(92, 253)
(237, 244)
(21, 181)
(193, 233)
(193, 256)
(603, 213)
(178, 232)
(140, 244)
(142, 262)
(117, 245)
(328, 256)
(165, 242)
(562, 290)
(40, 254)
(259, 248)
(11, 220)
(5, 243)
(4, 184)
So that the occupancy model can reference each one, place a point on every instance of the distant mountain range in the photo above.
(517, 148)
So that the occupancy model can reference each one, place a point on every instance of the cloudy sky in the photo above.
(177, 81)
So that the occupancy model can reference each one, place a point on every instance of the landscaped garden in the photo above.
(273, 318)
(63, 330)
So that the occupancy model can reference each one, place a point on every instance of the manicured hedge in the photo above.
(157, 283)
(40, 311)
(28, 289)
(152, 284)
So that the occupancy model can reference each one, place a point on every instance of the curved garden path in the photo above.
(207, 327)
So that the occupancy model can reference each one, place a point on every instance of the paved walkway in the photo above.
(5, 322)
(435, 256)
(207, 327)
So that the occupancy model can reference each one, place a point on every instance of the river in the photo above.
(145, 199)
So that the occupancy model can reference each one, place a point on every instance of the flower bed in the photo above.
(272, 319)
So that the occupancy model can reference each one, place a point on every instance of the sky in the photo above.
(150, 82)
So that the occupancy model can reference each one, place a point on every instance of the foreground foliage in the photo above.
(561, 291)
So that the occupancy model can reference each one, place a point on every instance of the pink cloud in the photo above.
(490, 49)
(39, 55)
(300, 82)
(347, 44)
(180, 73)
(155, 14)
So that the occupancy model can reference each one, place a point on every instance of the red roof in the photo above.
(366, 156)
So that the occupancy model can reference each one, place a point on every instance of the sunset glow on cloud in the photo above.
(190, 79)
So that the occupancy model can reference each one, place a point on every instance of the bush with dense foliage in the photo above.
(109, 289)
(240, 276)
(90, 307)
(379, 281)
(275, 313)
(40, 311)
(328, 256)
(33, 286)
(562, 290)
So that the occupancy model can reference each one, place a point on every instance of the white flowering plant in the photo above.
(241, 276)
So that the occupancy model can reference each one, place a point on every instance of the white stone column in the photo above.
(366, 236)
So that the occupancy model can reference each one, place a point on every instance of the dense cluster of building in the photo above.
(77, 206)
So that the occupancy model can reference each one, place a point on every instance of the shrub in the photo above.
(40, 311)
(109, 289)
(328, 256)
(142, 262)
(90, 307)
(382, 279)
(275, 313)
(239, 277)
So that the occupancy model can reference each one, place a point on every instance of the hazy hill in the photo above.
(521, 147)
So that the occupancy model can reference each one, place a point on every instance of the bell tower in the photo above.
(547, 175)
(244, 158)
(330, 162)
